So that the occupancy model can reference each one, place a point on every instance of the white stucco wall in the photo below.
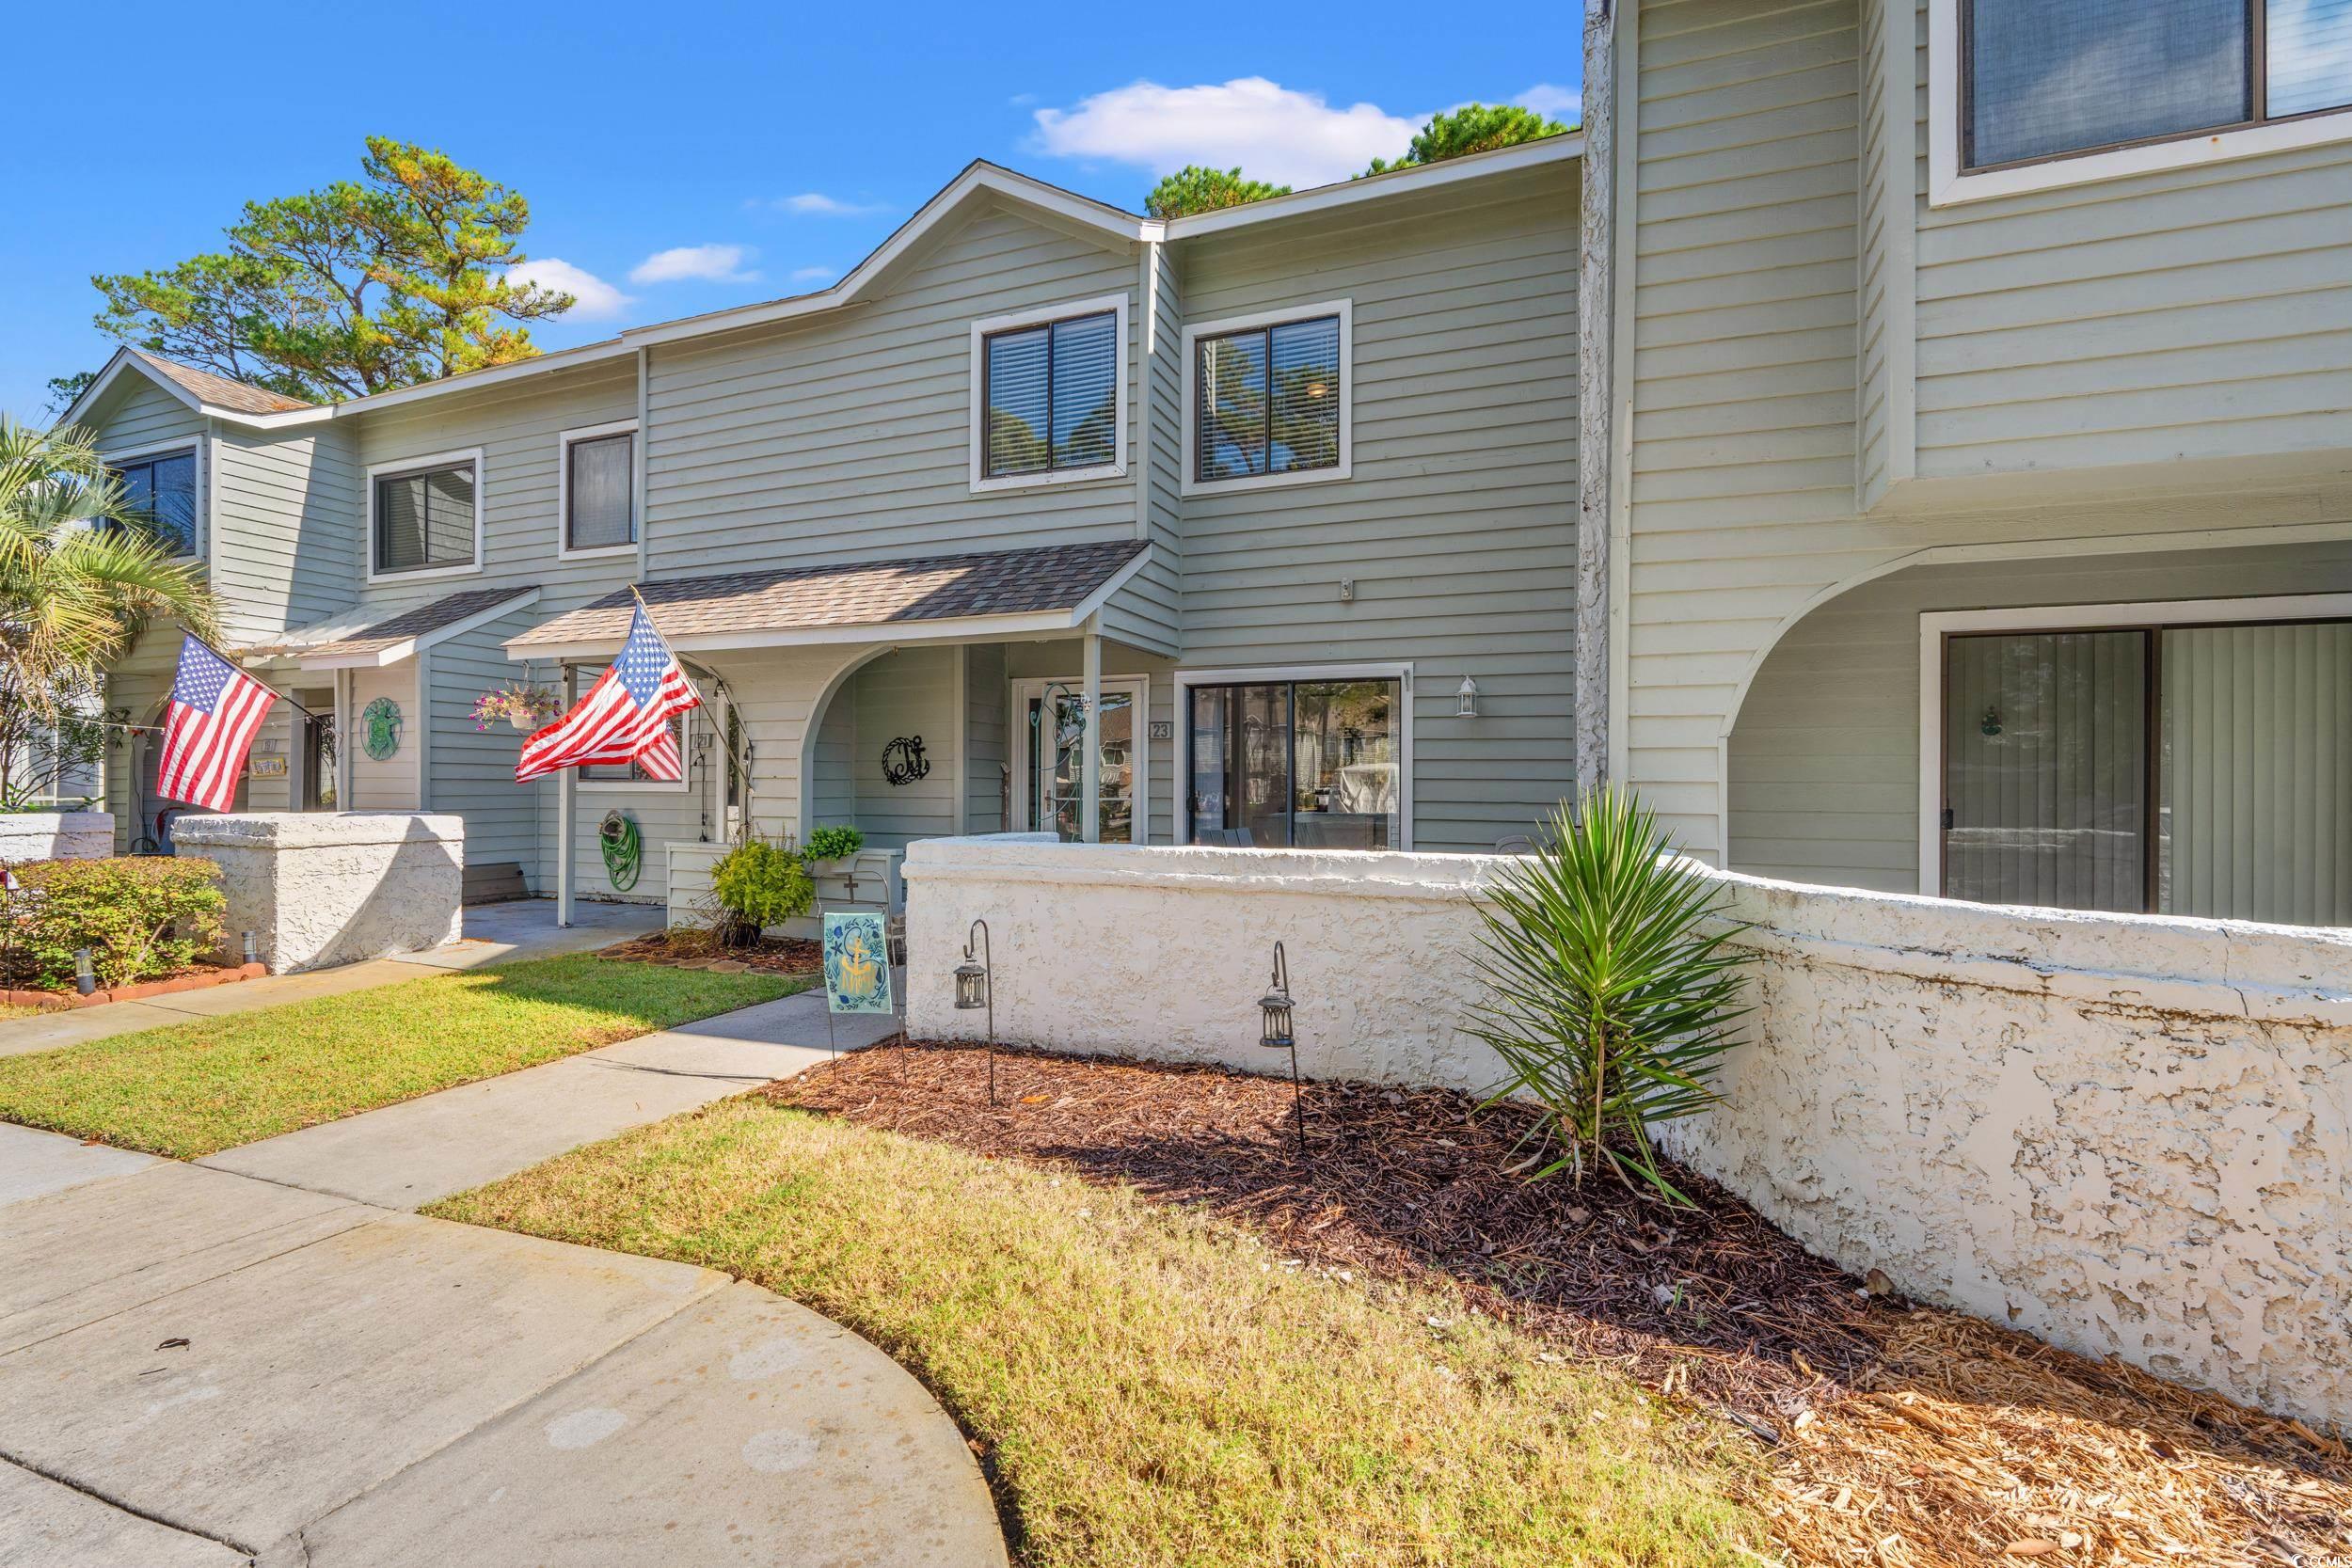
(2126, 1134)
(55, 835)
(317, 889)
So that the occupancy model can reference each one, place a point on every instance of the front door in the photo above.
(1050, 717)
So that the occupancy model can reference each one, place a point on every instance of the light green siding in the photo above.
(1825, 765)
(288, 551)
(473, 770)
(1457, 526)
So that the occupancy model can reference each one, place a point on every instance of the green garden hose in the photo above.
(624, 852)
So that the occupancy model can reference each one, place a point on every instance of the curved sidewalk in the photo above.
(207, 1365)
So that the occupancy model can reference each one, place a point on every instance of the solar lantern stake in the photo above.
(975, 987)
(1275, 1031)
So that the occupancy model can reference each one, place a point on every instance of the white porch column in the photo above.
(566, 809)
(1091, 764)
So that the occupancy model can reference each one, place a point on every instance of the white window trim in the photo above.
(1949, 185)
(418, 465)
(1935, 625)
(1138, 688)
(198, 447)
(1187, 482)
(981, 330)
(563, 442)
(587, 785)
(1401, 672)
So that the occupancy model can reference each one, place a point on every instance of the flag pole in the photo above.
(727, 744)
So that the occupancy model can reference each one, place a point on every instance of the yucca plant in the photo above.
(1612, 988)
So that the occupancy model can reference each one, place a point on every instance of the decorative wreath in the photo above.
(903, 762)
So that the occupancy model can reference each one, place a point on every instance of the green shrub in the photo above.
(832, 843)
(141, 917)
(1610, 985)
(757, 885)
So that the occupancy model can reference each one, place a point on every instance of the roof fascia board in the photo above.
(1476, 166)
(950, 629)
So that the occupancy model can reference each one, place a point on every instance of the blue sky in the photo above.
(681, 158)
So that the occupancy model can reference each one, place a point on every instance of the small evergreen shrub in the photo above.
(832, 843)
(757, 885)
(142, 917)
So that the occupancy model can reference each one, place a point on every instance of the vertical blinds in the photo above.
(1052, 394)
(2047, 77)
(2045, 748)
(424, 519)
(598, 491)
(2257, 776)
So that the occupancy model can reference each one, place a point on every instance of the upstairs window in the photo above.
(426, 516)
(1049, 396)
(159, 493)
(2042, 80)
(599, 489)
(1267, 399)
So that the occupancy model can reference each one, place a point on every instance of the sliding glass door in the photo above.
(2184, 769)
(1310, 765)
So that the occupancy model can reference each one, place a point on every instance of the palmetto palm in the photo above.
(1610, 986)
(73, 597)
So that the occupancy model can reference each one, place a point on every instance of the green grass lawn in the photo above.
(1152, 1386)
(192, 1090)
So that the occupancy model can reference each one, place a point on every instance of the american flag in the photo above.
(624, 717)
(216, 708)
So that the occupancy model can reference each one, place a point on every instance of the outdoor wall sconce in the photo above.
(1275, 1032)
(1466, 699)
(85, 978)
(975, 988)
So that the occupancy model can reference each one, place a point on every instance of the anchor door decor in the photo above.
(903, 762)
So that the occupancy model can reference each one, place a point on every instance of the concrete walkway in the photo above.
(260, 1358)
(525, 929)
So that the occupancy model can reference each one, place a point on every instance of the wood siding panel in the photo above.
(288, 514)
(1458, 524)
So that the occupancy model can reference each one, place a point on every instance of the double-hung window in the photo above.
(2185, 759)
(1049, 400)
(425, 515)
(159, 495)
(1308, 763)
(1267, 399)
(598, 489)
(2129, 85)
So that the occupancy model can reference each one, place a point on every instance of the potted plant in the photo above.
(519, 703)
(831, 844)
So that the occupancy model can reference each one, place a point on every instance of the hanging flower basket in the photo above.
(522, 705)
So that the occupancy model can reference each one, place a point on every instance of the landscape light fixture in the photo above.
(975, 988)
(85, 978)
(252, 951)
(1276, 1033)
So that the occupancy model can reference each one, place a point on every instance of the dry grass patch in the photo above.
(1151, 1386)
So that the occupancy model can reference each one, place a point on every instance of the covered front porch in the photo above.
(910, 700)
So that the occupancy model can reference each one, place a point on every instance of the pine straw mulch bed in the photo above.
(1899, 1436)
(691, 947)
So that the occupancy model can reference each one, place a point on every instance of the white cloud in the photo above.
(1565, 104)
(597, 298)
(707, 264)
(828, 206)
(1270, 131)
(811, 275)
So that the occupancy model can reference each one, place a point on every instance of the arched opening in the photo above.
(1838, 772)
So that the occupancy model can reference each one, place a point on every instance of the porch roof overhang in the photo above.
(350, 645)
(995, 594)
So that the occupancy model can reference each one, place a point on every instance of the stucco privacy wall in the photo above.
(55, 835)
(318, 890)
(2129, 1134)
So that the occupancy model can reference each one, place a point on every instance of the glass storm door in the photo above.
(1057, 730)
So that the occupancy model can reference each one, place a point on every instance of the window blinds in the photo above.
(424, 520)
(1053, 396)
(598, 487)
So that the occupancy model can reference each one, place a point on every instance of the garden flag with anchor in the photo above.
(624, 717)
(215, 709)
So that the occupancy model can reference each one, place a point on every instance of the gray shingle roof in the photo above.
(423, 621)
(864, 594)
(221, 393)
